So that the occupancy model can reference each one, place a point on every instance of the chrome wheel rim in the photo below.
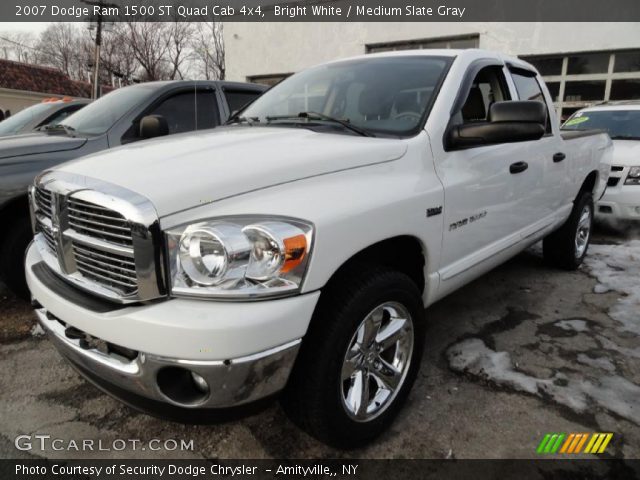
(583, 232)
(377, 360)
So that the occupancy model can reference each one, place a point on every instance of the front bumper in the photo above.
(620, 203)
(153, 351)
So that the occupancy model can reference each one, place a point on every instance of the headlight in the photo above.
(633, 177)
(244, 257)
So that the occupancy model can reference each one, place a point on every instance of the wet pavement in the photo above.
(523, 351)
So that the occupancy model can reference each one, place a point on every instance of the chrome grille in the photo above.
(43, 199)
(113, 270)
(99, 237)
(97, 221)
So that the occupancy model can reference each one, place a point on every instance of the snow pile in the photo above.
(37, 330)
(610, 392)
(576, 325)
(617, 268)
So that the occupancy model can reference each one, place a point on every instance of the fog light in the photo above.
(200, 382)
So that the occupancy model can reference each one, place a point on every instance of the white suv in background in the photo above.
(621, 201)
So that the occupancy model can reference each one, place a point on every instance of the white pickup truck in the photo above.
(296, 249)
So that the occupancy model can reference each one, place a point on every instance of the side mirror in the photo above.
(508, 122)
(153, 126)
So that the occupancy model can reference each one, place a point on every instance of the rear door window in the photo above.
(528, 88)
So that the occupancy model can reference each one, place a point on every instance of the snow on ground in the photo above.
(617, 268)
(37, 330)
(574, 325)
(610, 392)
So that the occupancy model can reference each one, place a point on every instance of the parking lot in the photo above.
(522, 351)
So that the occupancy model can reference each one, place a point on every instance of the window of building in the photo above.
(578, 80)
(584, 91)
(554, 90)
(270, 79)
(549, 65)
(627, 62)
(588, 63)
(625, 89)
(465, 41)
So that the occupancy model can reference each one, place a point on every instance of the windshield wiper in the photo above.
(59, 126)
(325, 118)
(247, 120)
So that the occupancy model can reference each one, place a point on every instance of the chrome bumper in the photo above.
(230, 382)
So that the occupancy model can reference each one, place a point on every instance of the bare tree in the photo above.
(117, 56)
(150, 45)
(60, 46)
(18, 46)
(180, 36)
(208, 49)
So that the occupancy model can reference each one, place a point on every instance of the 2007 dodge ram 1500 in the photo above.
(123, 116)
(296, 248)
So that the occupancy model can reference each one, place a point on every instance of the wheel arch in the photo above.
(590, 183)
(404, 253)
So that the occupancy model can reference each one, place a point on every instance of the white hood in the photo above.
(626, 153)
(184, 171)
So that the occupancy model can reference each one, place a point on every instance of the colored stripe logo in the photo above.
(573, 443)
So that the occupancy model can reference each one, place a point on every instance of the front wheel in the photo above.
(359, 359)
(567, 247)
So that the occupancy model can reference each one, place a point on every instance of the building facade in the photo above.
(582, 63)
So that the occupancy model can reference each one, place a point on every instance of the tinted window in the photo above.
(185, 111)
(528, 88)
(188, 111)
(621, 124)
(382, 95)
(236, 99)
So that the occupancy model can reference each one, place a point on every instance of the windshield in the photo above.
(621, 124)
(101, 115)
(17, 122)
(389, 95)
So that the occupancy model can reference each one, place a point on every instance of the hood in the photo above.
(35, 143)
(626, 153)
(184, 171)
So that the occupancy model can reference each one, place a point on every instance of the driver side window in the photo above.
(184, 111)
(489, 86)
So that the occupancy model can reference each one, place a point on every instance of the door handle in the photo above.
(518, 167)
(558, 157)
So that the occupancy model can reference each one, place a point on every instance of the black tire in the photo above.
(560, 248)
(12, 253)
(313, 398)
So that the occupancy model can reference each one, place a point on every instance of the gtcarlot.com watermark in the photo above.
(44, 443)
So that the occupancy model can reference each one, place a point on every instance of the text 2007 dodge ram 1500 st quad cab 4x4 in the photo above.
(123, 116)
(297, 248)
